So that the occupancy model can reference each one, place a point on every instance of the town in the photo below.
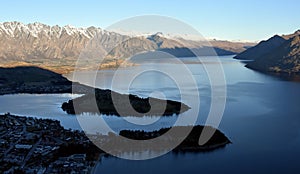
(43, 146)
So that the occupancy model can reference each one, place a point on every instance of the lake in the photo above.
(261, 118)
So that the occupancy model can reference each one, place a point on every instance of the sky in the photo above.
(245, 20)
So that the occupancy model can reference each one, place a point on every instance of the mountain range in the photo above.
(57, 48)
(279, 54)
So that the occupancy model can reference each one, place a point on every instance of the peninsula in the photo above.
(35, 80)
(110, 103)
(44, 146)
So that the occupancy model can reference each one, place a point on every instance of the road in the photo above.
(30, 153)
(13, 144)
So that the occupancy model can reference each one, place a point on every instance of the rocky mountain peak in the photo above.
(13, 29)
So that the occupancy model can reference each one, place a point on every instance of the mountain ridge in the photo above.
(58, 48)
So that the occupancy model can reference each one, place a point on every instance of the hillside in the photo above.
(261, 48)
(36, 80)
(283, 59)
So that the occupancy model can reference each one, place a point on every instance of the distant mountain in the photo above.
(233, 47)
(282, 59)
(58, 48)
(261, 48)
(140, 44)
(163, 42)
(177, 47)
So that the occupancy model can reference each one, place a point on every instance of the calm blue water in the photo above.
(262, 119)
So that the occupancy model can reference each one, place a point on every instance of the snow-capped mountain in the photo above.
(36, 40)
(56, 46)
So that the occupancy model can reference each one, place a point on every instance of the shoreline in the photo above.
(66, 149)
(97, 162)
(34, 80)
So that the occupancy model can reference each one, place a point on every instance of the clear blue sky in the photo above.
(224, 19)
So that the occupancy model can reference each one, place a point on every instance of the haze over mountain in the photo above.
(58, 48)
